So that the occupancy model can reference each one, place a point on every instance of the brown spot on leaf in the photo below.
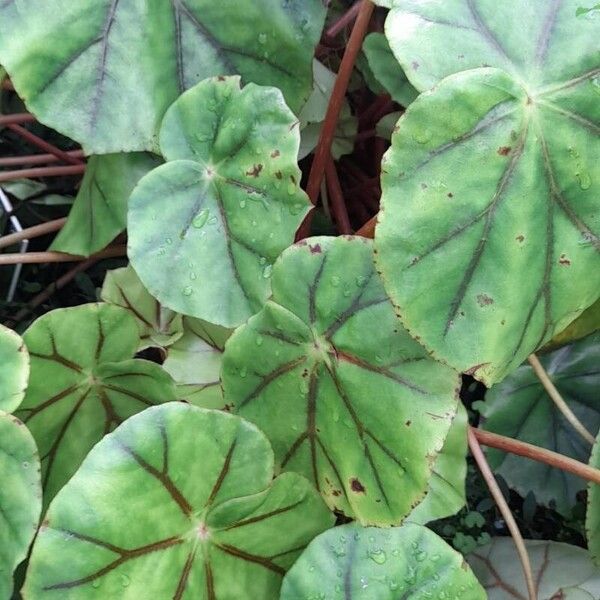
(255, 171)
(423, 186)
(357, 486)
(220, 78)
(484, 300)
(293, 179)
(336, 492)
(415, 65)
(520, 238)
(504, 150)
(275, 154)
(279, 175)
(315, 249)
(450, 195)
(563, 260)
(408, 423)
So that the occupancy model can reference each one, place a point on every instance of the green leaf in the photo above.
(408, 562)
(538, 44)
(497, 247)
(386, 69)
(14, 369)
(205, 228)
(20, 497)
(586, 323)
(100, 210)
(592, 517)
(179, 502)
(520, 407)
(158, 326)
(561, 571)
(446, 491)
(360, 410)
(194, 362)
(116, 66)
(83, 383)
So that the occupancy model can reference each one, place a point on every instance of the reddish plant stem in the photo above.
(368, 229)
(42, 172)
(16, 118)
(44, 145)
(343, 21)
(53, 257)
(8, 85)
(380, 104)
(367, 134)
(32, 232)
(548, 457)
(336, 198)
(502, 505)
(323, 149)
(35, 159)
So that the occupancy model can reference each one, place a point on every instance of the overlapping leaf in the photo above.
(100, 210)
(14, 369)
(520, 407)
(409, 562)
(179, 502)
(20, 497)
(194, 362)
(83, 383)
(344, 394)
(585, 324)
(592, 518)
(205, 228)
(158, 326)
(116, 66)
(497, 248)
(560, 571)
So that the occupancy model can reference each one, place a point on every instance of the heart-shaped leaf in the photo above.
(386, 69)
(83, 383)
(20, 497)
(100, 210)
(14, 369)
(158, 326)
(409, 562)
(446, 491)
(497, 247)
(520, 407)
(592, 518)
(541, 44)
(116, 66)
(359, 409)
(179, 502)
(205, 228)
(194, 362)
(561, 571)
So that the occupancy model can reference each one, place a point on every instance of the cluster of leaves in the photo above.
(300, 383)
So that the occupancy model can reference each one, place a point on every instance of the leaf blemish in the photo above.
(315, 249)
(275, 153)
(484, 300)
(357, 486)
(255, 171)
(520, 238)
(504, 150)
(563, 260)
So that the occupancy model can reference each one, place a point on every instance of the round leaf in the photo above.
(20, 497)
(100, 210)
(561, 571)
(83, 383)
(542, 44)
(194, 362)
(14, 369)
(446, 492)
(158, 326)
(409, 562)
(179, 502)
(205, 228)
(520, 407)
(497, 247)
(116, 66)
(345, 395)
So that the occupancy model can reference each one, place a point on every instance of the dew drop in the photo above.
(361, 281)
(393, 585)
(291, 190)
(243, 372)
(212, 220)
(25, 464)
(125, 581)
(242, 204)
(188, 290)
(169, 240)
(259, 341)
(267, 271)
(262, 38)
(262, 260)
(193, 275)
(201, 218)
(378, 556)
(585, 181)
(96, 584)
(335, 281)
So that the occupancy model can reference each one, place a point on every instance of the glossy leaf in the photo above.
(360, 410)
(14, 369)
(387, 70)
(194, 362)
(520, 407)
(20, 497)
(538, 44)
(179, 502)
(409, 562)
(100, 210)
(83, 383)
(116, 66)
(560, 571)
(158, 326)
(586, 323)
(446, 490)
(497, 248)
(205, 228)
(592, 518)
